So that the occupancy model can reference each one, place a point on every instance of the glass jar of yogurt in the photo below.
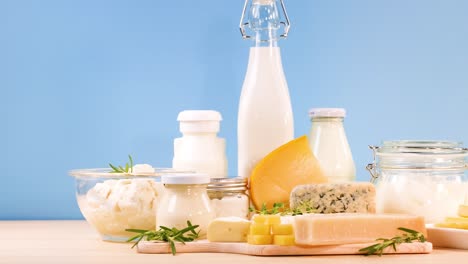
(229, 197)
(424, 178)
(185, 198)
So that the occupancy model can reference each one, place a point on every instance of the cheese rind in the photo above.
(327, 198)
(228, 229)
(335, 229)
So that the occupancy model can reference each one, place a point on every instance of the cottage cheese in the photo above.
(115, 205)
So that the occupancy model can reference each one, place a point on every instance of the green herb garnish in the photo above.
(408, 237)
(278, 208)
(265, 211)
(119, 169)
(166, 234)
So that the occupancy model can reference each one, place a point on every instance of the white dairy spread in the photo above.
(142, 169)
(231, 206)
(115, 205)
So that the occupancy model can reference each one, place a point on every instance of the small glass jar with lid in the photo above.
(425, 178)
(229, 197)
(185, 198)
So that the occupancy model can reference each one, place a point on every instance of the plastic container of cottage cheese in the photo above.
(113, 202)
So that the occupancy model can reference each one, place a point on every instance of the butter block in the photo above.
(356, 197)
(282, 229)
(259, 239)
(283, 240)
(228, 229)
(267, 219)
(348, 228)
(259, 229)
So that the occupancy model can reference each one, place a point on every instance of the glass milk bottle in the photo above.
(200, 149)
(329, 144)
(265, 118)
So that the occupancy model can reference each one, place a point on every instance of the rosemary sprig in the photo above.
(119, 169)
(279, 208)
(166, 234)
(408, 237)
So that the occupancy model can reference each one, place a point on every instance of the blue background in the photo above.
(84, 83)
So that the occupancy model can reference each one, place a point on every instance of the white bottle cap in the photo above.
(199, 121)
(185, 178)
(327, 112)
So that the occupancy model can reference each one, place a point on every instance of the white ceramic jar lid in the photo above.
(185, 178)
(327, 112)
(199, 121)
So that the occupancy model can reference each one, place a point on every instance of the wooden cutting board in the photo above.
(203, 246)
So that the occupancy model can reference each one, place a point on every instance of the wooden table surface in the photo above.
(77, 242)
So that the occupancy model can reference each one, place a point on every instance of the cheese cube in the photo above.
(283, 240)
(259, 229)
(228, 229)
(356, 197)
(267, 219)
(463, 210)
(259, 239)
(282, 229)
(335, 229)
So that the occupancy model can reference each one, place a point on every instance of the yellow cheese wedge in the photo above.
(267, 219)
(228, 229)
(283, 240)
(282, 229)
(259, 229)
(463, 210)
(459, 225)
(462, 220)
(259, 239)
(454, 222)
(348, 228)
(279, 172)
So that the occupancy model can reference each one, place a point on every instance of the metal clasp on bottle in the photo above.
(242, 24)
(372, 167)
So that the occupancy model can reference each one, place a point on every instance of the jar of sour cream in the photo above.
(229, 197)
(424, 178)
(185, 198)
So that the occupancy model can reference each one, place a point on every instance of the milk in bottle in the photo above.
(265, 118)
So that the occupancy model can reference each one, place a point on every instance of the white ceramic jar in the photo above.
(200, 149)
(185, 198)
(330, 145)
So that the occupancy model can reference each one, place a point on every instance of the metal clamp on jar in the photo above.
(424, 178)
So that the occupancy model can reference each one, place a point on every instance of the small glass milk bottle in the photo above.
(329, 144)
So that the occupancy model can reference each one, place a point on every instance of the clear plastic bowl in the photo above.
(113, 202)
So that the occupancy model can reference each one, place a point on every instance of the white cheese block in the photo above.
(356, 197)
(228, 229)
(336, 229)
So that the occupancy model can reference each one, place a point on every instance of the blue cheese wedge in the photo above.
(328, 198)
